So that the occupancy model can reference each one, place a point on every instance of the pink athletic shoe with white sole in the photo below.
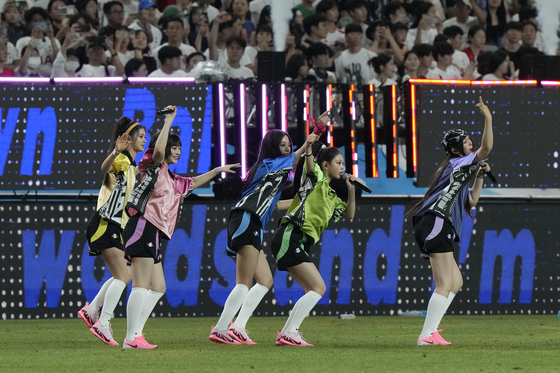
(139, 342)
(222, 336)
(85, 315)
(291, 339)
(103, 333)
(241, 335)
(440, 338)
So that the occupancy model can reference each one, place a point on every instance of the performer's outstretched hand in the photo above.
(483, 109)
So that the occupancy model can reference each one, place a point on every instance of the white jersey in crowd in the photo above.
(355, 67)
(438, 73)
(46, 53)
(87, 70)
(160, 73)
(333, 37)
(427, 37)
(241, 72)
(460, 59)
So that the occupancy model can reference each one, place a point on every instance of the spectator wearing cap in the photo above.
(147, 10)
(98, 66)
(174, 30)
(171, 61)
(462, 19)
(352, 66)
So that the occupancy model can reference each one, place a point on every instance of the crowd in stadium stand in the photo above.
(377, 42)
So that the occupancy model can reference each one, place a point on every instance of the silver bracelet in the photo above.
(216, 170)
(115, 152)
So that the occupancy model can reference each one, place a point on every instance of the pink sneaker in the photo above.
(440, 339)
(291, 339)
(139, 342)
(219, 336)
(430, 341)
(240, 334)
(84, 315)
(103, 333)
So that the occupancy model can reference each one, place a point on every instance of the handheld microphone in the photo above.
(489, 173)
(164, 111)
(358, 182)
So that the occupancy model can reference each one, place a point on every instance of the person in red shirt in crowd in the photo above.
(3, 57)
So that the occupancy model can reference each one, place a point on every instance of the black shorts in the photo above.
(243, 229)
(142, 239)
(290, 246)
(102, 234)
(434, 235)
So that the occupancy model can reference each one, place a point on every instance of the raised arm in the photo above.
(204, 178)
(121, 145)
(487, 135)
(309, 141)
(161, 143)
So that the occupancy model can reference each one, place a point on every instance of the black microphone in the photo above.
(489, 173)
(358, 182)
(165, 111)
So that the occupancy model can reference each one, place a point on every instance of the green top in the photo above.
(304, 12)
(314, 204)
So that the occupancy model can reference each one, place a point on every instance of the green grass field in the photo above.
(365, 344)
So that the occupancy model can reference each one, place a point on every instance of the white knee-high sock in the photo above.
(133, 312)
(436, 309)
(111, 300)
(450, 298)
(252, 300)
(291, 317)
(151, 300)
(97, 302)
(303, 306)
(233, 303)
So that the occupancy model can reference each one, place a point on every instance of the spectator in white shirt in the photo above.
(462, 18)
(67, 60)
(352, 66)
(443, 53)
(235, 47)
(384, 67)
(461, 62)
(97, 66)
(425, 54)
(146, 12)
(425, 27)
(170, 58)
(173, 28)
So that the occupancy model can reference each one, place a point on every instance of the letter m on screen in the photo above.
(510, 250)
